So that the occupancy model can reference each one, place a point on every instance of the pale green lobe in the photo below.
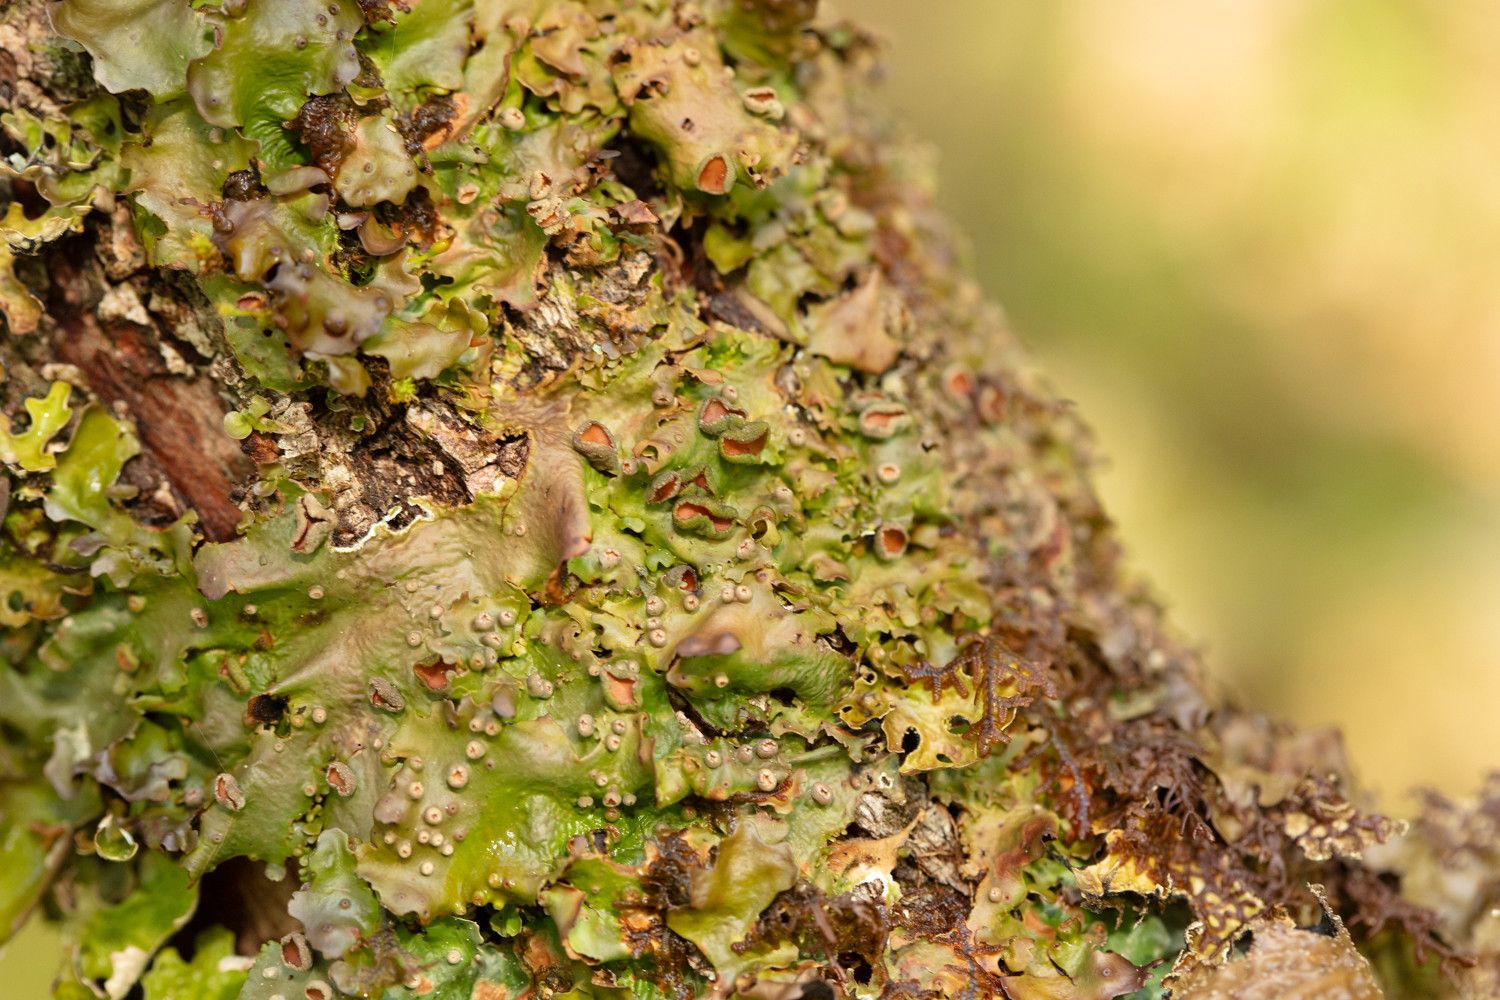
(177, 171)
(727, 252)
(496, 253)
(378, 168)
(118, 940)
(681, 100)
(757, 646)
(24, 234)
(137, 44)
(426, 47)
(49, 415)
(236, 425)
(456, 960)
(80, 492)
(210, 975)
(43, 141)
(21, 309)
(727, 898)
(72, 160)
(270, 976)
(592, 934)
(38, 592)
(588, 918)
(417, 350)
(99, 450)
(782, 276)
(335, 906)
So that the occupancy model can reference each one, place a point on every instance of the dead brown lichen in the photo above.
(845, 929)
(427, 125)
(326, 126)
(1006, 683)
(667, 884)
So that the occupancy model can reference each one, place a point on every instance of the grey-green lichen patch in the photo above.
(659, 575)
(145, 44)
(178, 165)
(377, 168)
(336, 908)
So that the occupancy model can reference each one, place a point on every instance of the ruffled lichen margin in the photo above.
(515, 498)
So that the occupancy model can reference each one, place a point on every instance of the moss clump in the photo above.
(655, 569)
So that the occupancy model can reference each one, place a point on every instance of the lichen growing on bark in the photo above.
(515, 497)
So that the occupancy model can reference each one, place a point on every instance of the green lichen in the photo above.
(117, 942)
(268, 58)
(27, 449)
(18, 304)
(658, 574)
(211, 974)
(145, 44)
(178, 165)
(725, 901)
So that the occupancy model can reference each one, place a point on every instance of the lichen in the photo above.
(655, 569)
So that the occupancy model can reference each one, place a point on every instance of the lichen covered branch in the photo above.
(516, 498)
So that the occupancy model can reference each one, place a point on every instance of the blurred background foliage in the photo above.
(1258, 241)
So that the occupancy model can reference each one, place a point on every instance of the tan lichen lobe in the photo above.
(1286, 961)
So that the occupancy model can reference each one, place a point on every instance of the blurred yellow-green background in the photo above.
(1259, 242)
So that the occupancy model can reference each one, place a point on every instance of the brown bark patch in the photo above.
(179, 416)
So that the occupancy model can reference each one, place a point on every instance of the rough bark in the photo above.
(518, 498)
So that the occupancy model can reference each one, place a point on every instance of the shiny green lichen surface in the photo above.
(656, 571)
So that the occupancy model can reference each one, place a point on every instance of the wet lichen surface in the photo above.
(647, 567)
